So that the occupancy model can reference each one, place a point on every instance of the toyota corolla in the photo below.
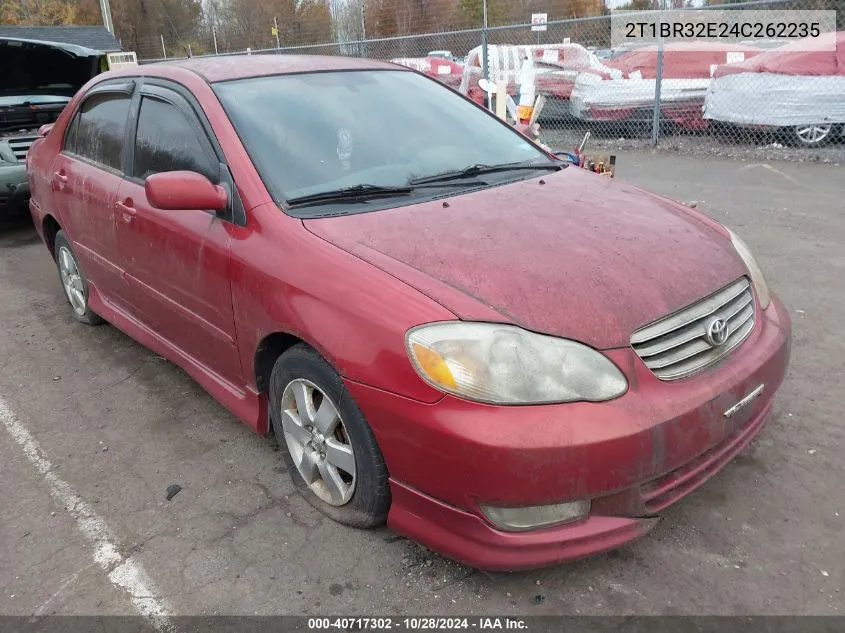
(512, 361)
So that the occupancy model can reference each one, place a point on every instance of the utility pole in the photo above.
(276, 32)
(214, 27)
(363, 31)
(105, 9)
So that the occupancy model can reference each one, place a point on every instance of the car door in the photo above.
(177, 262)
(86, 176)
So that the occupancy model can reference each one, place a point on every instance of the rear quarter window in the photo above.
(70, 135)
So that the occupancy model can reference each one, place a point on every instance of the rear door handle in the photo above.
(127, 208)
(60, 176)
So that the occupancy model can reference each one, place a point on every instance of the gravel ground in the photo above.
(119, 425)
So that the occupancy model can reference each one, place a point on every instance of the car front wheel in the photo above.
(329, 449)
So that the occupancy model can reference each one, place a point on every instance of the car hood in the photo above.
(36, 99)
(579, 256)
(33, 68)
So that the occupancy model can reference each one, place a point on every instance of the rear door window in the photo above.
(167, 140)
(100, 132)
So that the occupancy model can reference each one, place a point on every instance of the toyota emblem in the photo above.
(717, 332)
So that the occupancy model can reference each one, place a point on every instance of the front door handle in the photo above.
(60, 177)
(127, 208)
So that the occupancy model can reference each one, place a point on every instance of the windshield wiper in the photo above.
(475, 170)
(355, 193)
(360, 193)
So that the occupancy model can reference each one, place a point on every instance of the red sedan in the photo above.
(513, 362)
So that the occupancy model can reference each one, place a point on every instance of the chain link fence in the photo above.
(752, 98)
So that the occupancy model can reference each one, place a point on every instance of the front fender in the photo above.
(287, 280)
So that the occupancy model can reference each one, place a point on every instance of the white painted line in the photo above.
(773, 170)
(123, 572)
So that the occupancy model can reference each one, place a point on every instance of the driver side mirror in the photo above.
(184, 190)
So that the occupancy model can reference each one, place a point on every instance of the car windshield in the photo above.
(323, 132)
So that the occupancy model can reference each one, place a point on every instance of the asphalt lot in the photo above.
(115, 425)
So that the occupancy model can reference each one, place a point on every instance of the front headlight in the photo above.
(503, 364)
(757, 277)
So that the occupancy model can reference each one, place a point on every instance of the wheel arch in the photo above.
(268, 351)
(50, 228)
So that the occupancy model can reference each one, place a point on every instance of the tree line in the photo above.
(197, 27)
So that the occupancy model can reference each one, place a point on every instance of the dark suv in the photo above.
(38, 80)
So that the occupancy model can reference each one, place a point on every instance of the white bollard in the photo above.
(502, 99)
(527, 90)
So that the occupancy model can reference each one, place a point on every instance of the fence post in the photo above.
(163, 50)
(658, 83)
(484, 60)
(363, 31)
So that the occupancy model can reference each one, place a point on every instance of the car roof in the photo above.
(228, 67)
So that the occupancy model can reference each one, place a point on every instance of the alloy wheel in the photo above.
(72, 281)
(812, 134)
(318, 442)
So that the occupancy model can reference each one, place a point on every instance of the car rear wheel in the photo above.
(73, 281)
(812, 135)
(329, 449)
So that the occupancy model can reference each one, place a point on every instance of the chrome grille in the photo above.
(676, 346)
(20, 145)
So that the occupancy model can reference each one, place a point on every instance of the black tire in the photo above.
(89, 317)
(370, 500)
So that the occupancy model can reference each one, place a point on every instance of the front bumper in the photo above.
(14, 190)
(685, 113)
(632, 456)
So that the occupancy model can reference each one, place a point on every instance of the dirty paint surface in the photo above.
(570, 254)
